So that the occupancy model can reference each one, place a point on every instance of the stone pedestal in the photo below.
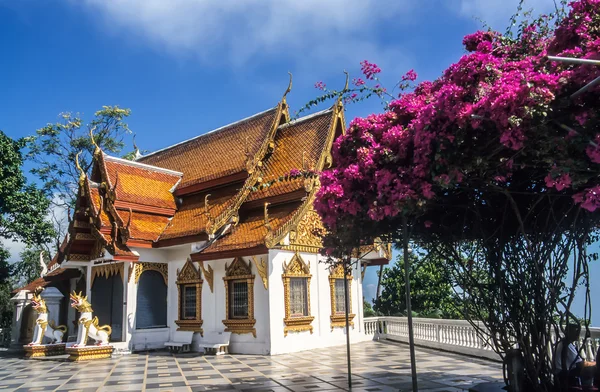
(86, 353)
(19, 302)
(53, 297)
(44, 350)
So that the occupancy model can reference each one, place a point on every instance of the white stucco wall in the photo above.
(144, 339)
(323, 335)
(269, 310)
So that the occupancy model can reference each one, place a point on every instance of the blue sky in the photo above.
(185, 67)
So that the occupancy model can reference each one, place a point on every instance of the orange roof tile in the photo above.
(306, 136)
(251, 230)
(218, 153)
(142, 184)
(54, 276)
(191, 219)
(146, 226)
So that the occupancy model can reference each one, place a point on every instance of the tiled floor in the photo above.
(376, 366)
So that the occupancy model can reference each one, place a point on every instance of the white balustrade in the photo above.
(456, 336)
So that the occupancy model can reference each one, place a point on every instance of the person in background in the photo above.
(569, 366)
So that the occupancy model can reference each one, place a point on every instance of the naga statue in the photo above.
(88, 327)
(43, 327)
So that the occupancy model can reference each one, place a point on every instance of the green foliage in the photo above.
(28, 268)
(368, 310)
(23, 207)
(432, 294)
(5, 289)
(54, 147)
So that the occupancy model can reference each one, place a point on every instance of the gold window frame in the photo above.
(189, 276)
(296, 268)
(239, 270)
(339, 319)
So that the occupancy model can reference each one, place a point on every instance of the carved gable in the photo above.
(188, 274)
(308, 234)
(296, 267)
(238, 268)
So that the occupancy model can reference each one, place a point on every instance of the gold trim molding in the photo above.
(263, 270)
(106, 270)
(141, 267)
(339, 319)
(296, 268)
(189, 276)
(208, 274)
(238, 270)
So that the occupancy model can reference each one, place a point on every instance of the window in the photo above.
(189, 302)
(298, 297)
(338, 298)
(296, 288)
(189, 287)
(239, 297)
(151, 309)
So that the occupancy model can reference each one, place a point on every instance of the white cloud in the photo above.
(497, 13)
(311, 32)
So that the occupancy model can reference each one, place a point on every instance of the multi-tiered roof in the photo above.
(204, 190)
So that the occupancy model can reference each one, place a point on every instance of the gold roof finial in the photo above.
(289, 87)
(96, 146)
(136, 151)
(206, 210)
(267, 222)
(78, 166)
(347, 80)
(339, 100)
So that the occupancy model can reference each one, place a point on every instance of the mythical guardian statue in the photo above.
(43, 327)
(88, 327)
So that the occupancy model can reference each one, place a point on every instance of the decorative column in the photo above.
(52, 296)
(19, 302)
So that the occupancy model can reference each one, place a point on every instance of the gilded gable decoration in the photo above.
(308, 234)
(239, 308)
(189, 297)
(263, 270)
(208, 275)
(141, 267)
(188, 273)
(106, 270)
(296, 291)
(336, 287)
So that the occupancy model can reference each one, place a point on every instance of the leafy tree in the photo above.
(23, 207)
(368, 310)
(28, 268)
(432, 294)
(5, 289)
(54, 147)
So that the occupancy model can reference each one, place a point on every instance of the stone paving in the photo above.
(376, 366)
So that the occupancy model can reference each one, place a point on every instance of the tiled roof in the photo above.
(147, 226)
(141, 184)
(56, 275)
(251, 230)
(218, 153)
(306, 137)
(191, 219)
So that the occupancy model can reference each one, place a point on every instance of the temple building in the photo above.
(185, 238)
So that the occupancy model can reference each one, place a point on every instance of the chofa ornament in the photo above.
(43, 326)
(88, 326)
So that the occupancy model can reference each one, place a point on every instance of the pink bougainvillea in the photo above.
(500, 119)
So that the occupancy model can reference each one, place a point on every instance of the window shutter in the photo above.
(151, 311)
